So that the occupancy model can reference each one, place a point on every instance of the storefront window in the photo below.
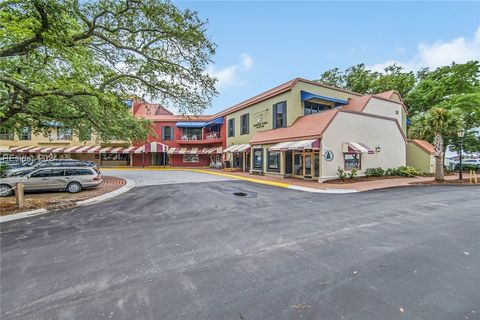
(114, 156)
(257, 158)
(352, 161)
(274, 161)
(191, 158)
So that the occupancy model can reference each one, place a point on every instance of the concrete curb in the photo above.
(128, 185)
(27, 214)
(313, 190)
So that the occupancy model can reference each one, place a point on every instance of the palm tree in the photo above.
(436, 124)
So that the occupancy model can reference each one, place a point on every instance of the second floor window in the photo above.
(64, 133)
(280, 115)
(245, 121)
(312, 107)
(26, 133)
(231, 127)
(167, 133)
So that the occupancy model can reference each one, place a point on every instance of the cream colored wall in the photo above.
(42, 140)
(264, 109)
(294, 110)
(364, 129)
(419, 159)
(387, 109)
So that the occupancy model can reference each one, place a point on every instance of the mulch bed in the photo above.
(362, 179)
(59, 200)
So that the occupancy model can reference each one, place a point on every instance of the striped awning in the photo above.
(296, 145)
(150, 147)
(214, 150)
(356, 147)
(186, 150)
(237, 148)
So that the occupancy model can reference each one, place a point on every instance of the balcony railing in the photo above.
(198, 137)
(6, 136)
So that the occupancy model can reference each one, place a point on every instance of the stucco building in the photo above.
(421, 155)
(308, 130)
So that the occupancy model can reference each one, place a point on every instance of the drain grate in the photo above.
(240, 194)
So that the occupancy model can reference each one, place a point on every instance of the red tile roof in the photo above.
(386, 94)
(311, 126)
(424, 145)
(357, 104)
(192, 118)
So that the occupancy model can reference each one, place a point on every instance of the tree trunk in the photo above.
(438, 145)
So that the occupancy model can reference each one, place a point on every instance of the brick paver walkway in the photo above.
(360, 186)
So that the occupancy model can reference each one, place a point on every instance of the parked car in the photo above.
(468, 164)
(71, 179)
(56, 163)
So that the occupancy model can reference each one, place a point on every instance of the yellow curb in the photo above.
(266, 182)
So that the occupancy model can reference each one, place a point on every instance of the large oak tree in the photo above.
(75, 62)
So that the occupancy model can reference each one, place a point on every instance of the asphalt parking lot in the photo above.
(197, 251)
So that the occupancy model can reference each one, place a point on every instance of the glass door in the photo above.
(307, 171)
(298, 164)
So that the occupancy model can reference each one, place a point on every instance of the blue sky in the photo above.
(262, 44)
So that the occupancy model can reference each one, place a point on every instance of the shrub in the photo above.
(392, 172)
(352, 174)
(341, 174)
(407, 171)
(375, 172)
(3, 169)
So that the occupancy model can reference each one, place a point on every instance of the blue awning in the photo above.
(215, 121)
(307, 96)
(189, 124)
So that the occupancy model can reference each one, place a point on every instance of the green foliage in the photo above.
(392, 172)
(407, 171)
(359, 79)
(3, 169)
(75, 62)
(468, 167)
(344, 175)
(352, 174)
(375, 172)
(341, 174)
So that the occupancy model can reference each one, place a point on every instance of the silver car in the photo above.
(71, 179)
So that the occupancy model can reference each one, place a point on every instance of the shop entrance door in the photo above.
(304, 165)
(308, 165)
(298, 165)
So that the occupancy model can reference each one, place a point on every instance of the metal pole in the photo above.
(143, 158)
(460, 174)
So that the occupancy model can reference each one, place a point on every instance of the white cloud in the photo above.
(440, 53)
(231, 76)
(247, 61)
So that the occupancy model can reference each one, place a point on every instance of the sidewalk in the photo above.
(358, 186)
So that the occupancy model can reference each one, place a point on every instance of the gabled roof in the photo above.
(424, 145)
(284, 87)
(311, 126)
(358, 103)
(386, 94)
(191, 118)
